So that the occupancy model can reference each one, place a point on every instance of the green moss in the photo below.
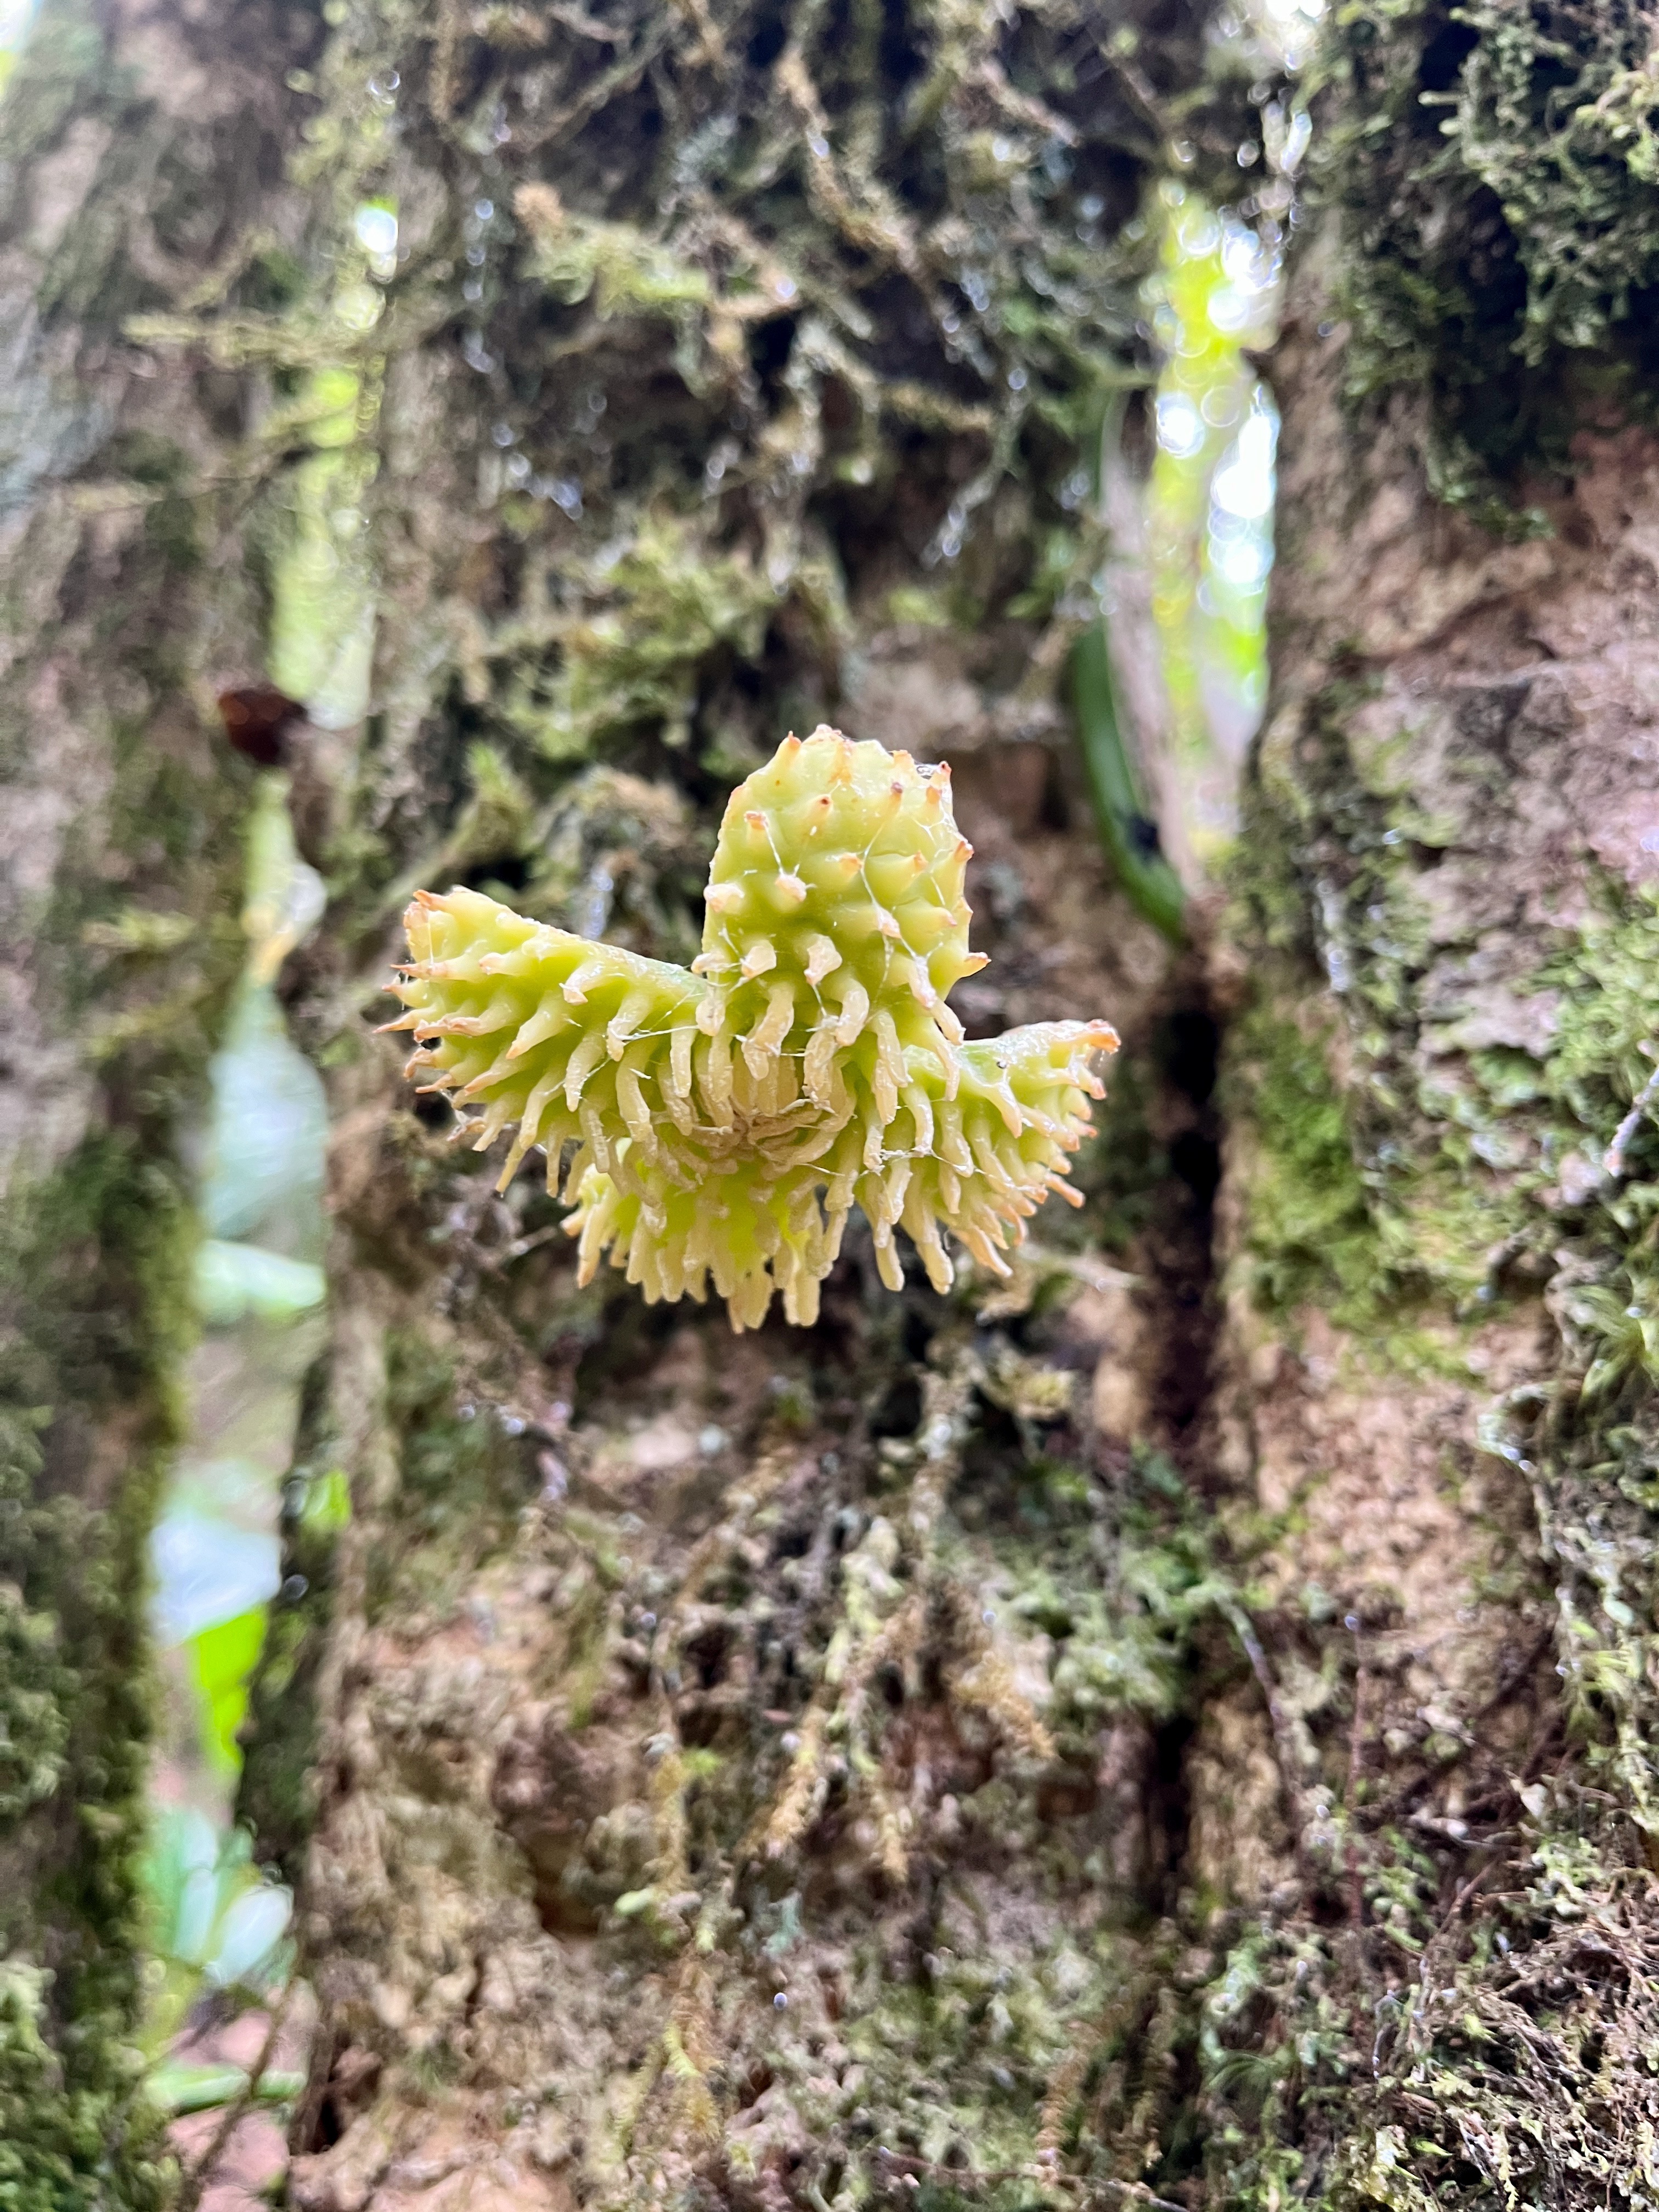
(1405, 1187)
(1496, 172)
(655, 618)
(1399, 1191)
(1309, 1232)
(1413, 1185)
(1605, 975)
(464, 1476)
(95, 1273)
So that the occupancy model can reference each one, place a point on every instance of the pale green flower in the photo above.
(726, 1119)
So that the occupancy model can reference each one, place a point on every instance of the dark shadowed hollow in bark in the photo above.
(1171, 1727)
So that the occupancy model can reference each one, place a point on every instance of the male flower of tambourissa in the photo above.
(724, 1121)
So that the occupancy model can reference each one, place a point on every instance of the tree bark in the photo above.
(125, 599)
(1428, 1814)
(1173, 1723)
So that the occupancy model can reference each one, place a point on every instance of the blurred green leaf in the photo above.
(179, 2088)
(223, 1658)
(181, 1879)
(215, 1922)
(208, 1570)
(235, 1279)
(327, 1508)
(248, 1934)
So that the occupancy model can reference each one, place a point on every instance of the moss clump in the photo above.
(1434, 1169)
(1496, 175)
(462, 1480)
(1310, 1235)
(95, 1287)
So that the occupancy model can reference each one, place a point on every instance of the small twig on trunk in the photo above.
(1279, 1719)
(1467, 1889)
(1356, 1763)
(1612, 1160)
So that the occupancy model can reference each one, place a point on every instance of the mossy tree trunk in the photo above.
(1063, 1739)
(561, 407)
(1431, 1810)
(132, 153)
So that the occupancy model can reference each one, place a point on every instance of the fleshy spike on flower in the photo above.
(724, 1119)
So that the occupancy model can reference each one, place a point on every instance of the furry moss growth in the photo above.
(1310, 1233)
(1461, 2012)
(100, 1267)
(118, 867)
(727, 1119)
(1497, 171)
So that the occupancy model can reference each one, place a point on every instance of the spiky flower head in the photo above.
(722, 1122)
